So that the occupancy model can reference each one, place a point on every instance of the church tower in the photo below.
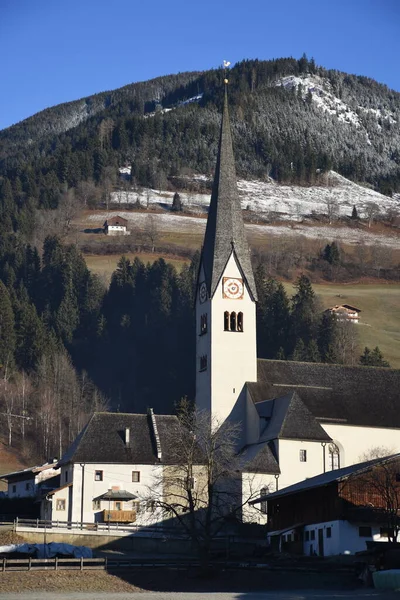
(225, 299)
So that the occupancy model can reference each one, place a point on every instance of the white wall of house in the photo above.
(113, 475)
(28, 486)
(22, 489)
(252, 486)
(292, 468)
(355, 441)
(338, 537)
(116, 229)
(231, 356)
(55, 507)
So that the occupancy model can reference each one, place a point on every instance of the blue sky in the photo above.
(54, 51)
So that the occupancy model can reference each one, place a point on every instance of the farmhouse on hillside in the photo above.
(338, 511)
(344, 312)
(116, 226)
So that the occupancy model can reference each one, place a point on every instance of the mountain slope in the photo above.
(292, 121)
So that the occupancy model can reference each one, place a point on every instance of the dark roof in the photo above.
(225, 229)
(117, 220)
(116, 495)
(328, 477)
(102, 440)
(259, 458)
(288, 418)
(362, 396)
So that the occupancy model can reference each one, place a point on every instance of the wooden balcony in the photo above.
(119, 516)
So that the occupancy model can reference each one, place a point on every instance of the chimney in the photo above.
(127, 437)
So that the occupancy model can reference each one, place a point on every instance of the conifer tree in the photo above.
(373, 358)
(7, 331)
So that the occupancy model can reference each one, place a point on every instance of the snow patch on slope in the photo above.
(274, 201)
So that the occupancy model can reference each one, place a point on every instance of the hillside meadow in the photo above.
(380, 312)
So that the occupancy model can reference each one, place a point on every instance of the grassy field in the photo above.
(380, 313)
(105, 265)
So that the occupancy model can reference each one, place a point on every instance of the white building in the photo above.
(108, 472)
(116, 226)
(28, 482)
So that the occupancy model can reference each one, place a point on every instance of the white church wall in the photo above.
(233, 360)
(356, 441)
(293, 469)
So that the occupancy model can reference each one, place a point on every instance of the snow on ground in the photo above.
(172, 222)
(271, 200)
(182, 103)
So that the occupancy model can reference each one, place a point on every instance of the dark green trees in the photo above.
(7, 332)
(373, 358)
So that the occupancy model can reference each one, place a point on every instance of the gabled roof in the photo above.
(117, 220)
(31, 471)
(362, 396)
(225, 228)
(328, 477)
(103, 440)
(259, 458)
(288, 418)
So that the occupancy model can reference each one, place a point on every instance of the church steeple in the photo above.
(225, 229)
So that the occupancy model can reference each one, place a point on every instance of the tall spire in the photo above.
(225, 228)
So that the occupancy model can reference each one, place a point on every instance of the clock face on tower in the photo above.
(203, 292)
(232, 288)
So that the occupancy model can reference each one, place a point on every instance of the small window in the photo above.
(307, 536)
(66, 476)
(312, 535)
(190, 483)
(135, 476)
(365, 531)
(27, 487)
(329, 532)
(303, 455)
(233, 321)
(226, 321)
(60, 504)
(203, 324)
(263, 504)
(118, 506)
(240, 322)
(203, 362)
(96, 505)
(98, 475)
(14, 489)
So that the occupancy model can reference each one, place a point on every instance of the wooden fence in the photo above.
(52, 564)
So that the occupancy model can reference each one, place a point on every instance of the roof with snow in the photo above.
(225, 228)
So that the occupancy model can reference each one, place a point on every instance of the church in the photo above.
(297, 420)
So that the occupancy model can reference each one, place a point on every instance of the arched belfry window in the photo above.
(233, 321)
(333, 457)
(226, 321)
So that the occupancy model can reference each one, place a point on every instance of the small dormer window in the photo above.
(203, 324)
(203, 362)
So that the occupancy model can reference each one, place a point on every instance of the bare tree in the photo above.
(371, 212)
(378, 489)
(376, 452)
(68, 209)
(151, 230)
(345, 344)
(332, 208)
(201, 489)
(87, 193)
